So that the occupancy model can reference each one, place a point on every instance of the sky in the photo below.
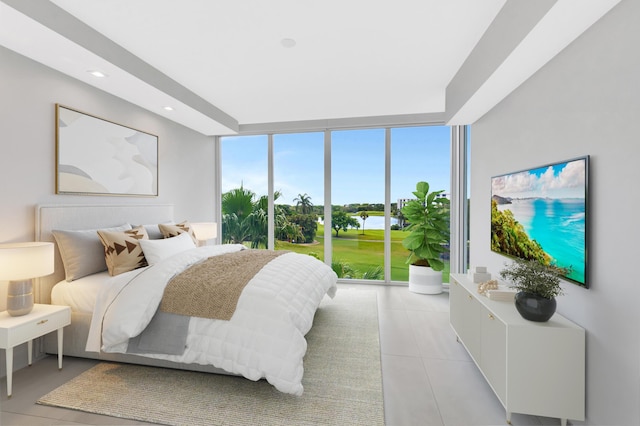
(562, 180)
(357, 164)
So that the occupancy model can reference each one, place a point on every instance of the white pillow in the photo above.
(82, 252)
(156, 250)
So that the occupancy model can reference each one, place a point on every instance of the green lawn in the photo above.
(362, 251)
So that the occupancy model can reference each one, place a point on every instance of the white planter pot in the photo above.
(424, 280)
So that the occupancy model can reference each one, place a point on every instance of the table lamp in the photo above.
(19, 263)
(204, 231)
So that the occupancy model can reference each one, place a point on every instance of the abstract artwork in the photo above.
(99, 157)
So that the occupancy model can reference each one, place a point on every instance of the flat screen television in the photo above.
(541, 213)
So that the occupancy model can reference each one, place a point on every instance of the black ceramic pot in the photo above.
(535, 308)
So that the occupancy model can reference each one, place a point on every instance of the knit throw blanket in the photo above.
(211, 289)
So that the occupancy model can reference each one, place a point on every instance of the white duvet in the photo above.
(263, 339)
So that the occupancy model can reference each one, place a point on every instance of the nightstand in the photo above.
(41, 320)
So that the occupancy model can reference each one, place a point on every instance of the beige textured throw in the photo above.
(211, 289)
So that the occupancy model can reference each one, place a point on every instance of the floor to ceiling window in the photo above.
(298, 175)
(417, 154)
(244, 190)
(372, 173)
(357, 203)
(467, 197)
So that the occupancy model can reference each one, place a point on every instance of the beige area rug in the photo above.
(342, 381)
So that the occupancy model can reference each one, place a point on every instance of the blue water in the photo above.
(559, 226)
(375, 222)
(372, 222)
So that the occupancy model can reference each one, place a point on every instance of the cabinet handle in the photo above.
(491, 317)
(42, 321)
(469, 296)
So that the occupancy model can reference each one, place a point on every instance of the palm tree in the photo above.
(245, 219)
(374, 273)
(291, 232)
(258, 223)
(303, 202)
(238, 201)
(236, 206)
(364, 215)
(234, 230)
(342, 269)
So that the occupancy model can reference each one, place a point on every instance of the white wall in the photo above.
(28, 93)
(585, 101)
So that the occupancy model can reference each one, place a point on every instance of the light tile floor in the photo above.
(428, 378)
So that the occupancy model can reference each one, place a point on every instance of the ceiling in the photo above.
(226, 65)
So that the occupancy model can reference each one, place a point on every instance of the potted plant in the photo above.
(538, 286)
(428, 217)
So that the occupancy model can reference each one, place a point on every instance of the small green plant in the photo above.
(531, 276)
(428, 218)
(374, 273)
(342, 269)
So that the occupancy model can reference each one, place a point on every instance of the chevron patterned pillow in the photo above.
(173, 230)
(122, 251)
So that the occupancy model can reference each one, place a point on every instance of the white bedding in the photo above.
(263, 339)
(80, 294)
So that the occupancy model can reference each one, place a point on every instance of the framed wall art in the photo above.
(95, 156)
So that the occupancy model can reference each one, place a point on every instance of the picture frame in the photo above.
(542, 213)
(95, 156)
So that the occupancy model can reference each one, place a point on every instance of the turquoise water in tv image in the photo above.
(559, 226)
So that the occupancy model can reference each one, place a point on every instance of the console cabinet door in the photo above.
(464, 313)
(494, 353)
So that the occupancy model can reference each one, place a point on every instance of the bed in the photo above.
(262, 338)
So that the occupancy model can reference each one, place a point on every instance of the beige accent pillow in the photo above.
(81, 251)
(122, 250)
(173, 230)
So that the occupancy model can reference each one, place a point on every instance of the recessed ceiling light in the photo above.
(288, 42)
(167, 108)
(97, 73)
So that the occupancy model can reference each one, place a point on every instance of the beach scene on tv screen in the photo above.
(541, 214)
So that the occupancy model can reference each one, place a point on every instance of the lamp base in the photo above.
(20, 298)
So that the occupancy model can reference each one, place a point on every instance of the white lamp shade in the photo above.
(22, 261)
(205, 230)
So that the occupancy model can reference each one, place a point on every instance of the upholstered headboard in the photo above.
(77, 217)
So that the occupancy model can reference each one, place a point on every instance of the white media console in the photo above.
(533, 368)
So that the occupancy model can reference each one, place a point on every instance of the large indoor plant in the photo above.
(428, 217)
(538, 286)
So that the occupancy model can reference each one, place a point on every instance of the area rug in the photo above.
(342, 381)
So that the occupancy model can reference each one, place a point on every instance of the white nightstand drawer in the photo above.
(41, 320)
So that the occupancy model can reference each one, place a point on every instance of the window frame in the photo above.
(459, 207)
